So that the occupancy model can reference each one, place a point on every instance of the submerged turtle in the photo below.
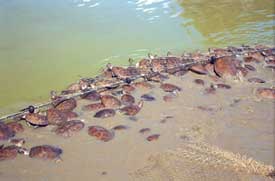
(169, 87)
(5, 132)
(144, 130)
(255, 80)
(105, 113)
(69, 128)
(225, 67)
(132, 110)
(8, 152)
(127, 99)
(110, 101)
(93, 107)
(55, 116)
(45, 152)
(268, 93)
(120, 127)
(144, 85)
(199, 81)
(153, 137)
(92, 96)
(36, 119)
(157, 77)
(250, 67)
(101, 133)
(66, 105)
(16, 127)
(127, 88)
(223, 86)
(199, 69)
(147, 97)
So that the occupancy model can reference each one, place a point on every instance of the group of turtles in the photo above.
(232, 63)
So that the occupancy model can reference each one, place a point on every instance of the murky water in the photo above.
(44, 45)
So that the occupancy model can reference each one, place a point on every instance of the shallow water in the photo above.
(45, 45)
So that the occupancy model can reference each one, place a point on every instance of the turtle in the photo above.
(36, 119)
(110, 101)
(105, 113)
(153, 137)
(144, 85)
(120, 127)
(225, 67)
(157, 77)
(144, 65)
(124, 73)
(5, 132)
(127, 99)
(46, 152)
(71, 115)
(223, 86)
(8, 152)
(69, 128)
(147, 97)
(101, 133)
(250, 67)
(93, 107)
(255, 56)
(199, 82)
(128, 88)
(167, 87)
(268, 93)
(91, 96)
(199, 69)
(172, 62)
(16, 127)
(132, 110)
(55, 116)
(255, 80)
(66, 105)
(158, 64)
(144, 130)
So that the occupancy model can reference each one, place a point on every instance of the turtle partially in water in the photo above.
(105, 113)
(101, 133)
(167, 87)
(5, 132)
(36, 119)
(93, 107)
(120, 127)
(128, 88)
(69, 128)
(46, 152)
(16, 127)
(110, 101)
(92, 96)
(66, 105)
(127, 99)
(147, 97)
(122, 72)
(8, 152)
(143, 85)
(132, 110)
(55, 116)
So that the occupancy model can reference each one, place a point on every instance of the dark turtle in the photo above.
(147, 97)
(268, 93)
(105, 113)
(120, 127)
(16, 127)
(255, 80)
(101, 133)
(223, 86)
(17, 141)
(199, 81)
(36, 119)
(132, 110)
(144, 85)
(66, 105)
(5, 132)
(144, 130)
(45, 152)
(153, 137)
(250, 67)
(110, 101)
(225, 67)
(199, 69)
(169, 87)
(8, 152)
(127, 99)
(55, 116)
(69, 128)
(92, 96)
(128, 88)
(93, 107)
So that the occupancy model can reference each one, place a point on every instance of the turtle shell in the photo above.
(69, 128)
(37, 119)
(101, 133)
(45, 152)
(5, 132)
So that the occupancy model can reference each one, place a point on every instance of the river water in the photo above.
(45, 45)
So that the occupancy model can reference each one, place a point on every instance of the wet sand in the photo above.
(238, 122)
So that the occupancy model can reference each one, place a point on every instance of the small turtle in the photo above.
(124, 73)
(169, 87)
(71, 115)
(5, 132)
(93, 107)
(144, 130)
(55, 116)
(268, 93)
(8, 152)
(101, 133)
(169, 97)
(127, 99)
(17, 141)
(250, 67)
(199, 81)
(36, 119)
(132, 110)
(143, 85)
(199, 69)
(153, 137)
(105, 113)
(158, 64)
(110, 101)
(225, 67)
(255, 80)
(157, 77)
(69, 128)
(128, 88)
(92, 96)
(66, 105)
(120, 127)
(147, 97)
(16, 127)
(223, 86)
(46, 152)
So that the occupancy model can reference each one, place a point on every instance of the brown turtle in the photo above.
(120, 127)
(223, 86)
(5, 132)
(127, 88)
(268, 93)
(8, 152)
(153, 137)
(124, 73)
(101, 133)
(144, 85)
(105, 113)
(127, 99)
(144, 130)
(71, 115)
(249, 67)
(55, 116)
(36, 119)
(169, 97)
(69, 128)
(144, 65)
(45, 152)
(132, 110)
(158, 77)
(169, 87)
(158, 64)
(110, 101)
(147, 97)
(225, 67)
(93, 107)
(255, 80)
(199, 69)
(16, 127)
(91, 96)
(199, 81)
(66, 105)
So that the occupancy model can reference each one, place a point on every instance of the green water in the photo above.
(45, 45)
